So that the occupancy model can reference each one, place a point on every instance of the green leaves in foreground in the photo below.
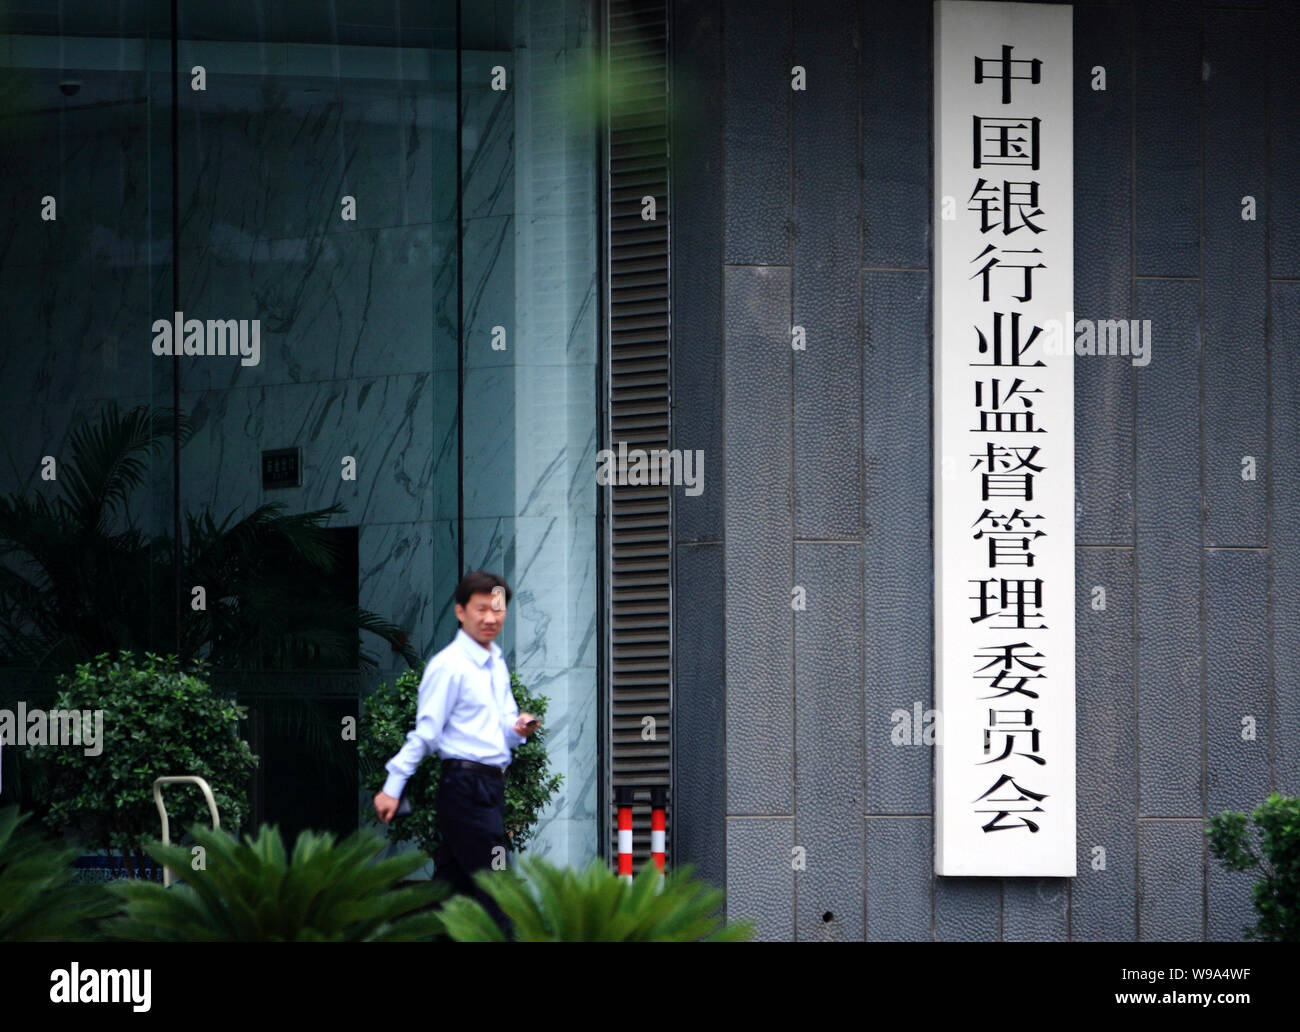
(38, 900)
(252, 892)
(550, 904)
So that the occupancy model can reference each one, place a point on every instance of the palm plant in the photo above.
(38, 900)
(269, 604)
(550, 904)
(254, 892)
(75, 581)
(77, 576)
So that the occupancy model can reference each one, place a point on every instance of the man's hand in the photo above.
(385, 807)
(522, 726)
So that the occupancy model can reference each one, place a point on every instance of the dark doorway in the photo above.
(307, 772)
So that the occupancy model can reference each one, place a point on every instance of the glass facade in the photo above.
(357, 246)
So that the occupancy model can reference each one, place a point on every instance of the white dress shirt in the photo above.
(466, 711)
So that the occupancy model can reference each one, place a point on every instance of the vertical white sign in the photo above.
(1004, 439)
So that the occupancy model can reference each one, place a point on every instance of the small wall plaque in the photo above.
(282, 467)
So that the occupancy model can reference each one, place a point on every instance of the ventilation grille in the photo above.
(640, 546)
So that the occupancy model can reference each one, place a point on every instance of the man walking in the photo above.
(467, 713)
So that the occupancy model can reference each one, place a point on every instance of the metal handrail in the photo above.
(181, 779)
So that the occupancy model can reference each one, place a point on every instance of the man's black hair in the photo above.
(480, 581)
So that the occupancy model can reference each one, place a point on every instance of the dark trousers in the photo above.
(471, 818)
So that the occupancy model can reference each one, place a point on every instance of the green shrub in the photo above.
(38, 900)
(388, 717)
(253, 892)
(158, 720)
(1274, 850)
(550, 904)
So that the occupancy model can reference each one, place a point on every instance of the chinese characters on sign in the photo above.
(1004, 440)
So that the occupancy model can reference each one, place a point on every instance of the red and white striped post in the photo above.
(623, 797)
(658, 824)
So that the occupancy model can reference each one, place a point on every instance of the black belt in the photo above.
(482, 768)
